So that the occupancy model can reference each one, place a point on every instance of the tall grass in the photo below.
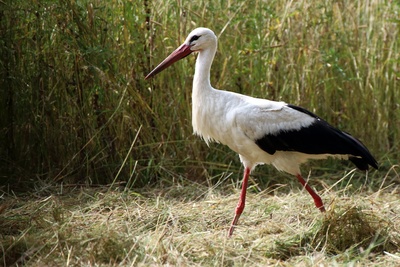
(73, 96)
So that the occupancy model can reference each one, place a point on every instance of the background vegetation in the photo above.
(75, 109)
(75, 104)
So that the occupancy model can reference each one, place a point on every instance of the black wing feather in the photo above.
(318, 138)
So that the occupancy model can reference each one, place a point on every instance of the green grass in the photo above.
(99, 167)
(74, 97)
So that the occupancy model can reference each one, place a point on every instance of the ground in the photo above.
(187, 224)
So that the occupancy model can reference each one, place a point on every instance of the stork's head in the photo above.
(198, 40)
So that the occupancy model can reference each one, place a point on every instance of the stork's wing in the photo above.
(292, 128)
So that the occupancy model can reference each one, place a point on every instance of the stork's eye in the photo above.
(194, 38)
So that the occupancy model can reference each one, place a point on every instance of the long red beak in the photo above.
(179, 53)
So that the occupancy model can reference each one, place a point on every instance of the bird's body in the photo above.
(261, 131)
(256, 138)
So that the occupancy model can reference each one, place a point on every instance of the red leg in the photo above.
(242, 200)
(317, 199)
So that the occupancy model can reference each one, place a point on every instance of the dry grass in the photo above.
(186, 225)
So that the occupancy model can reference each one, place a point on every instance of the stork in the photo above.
(261, 131)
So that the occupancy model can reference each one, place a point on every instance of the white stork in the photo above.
(261, 131)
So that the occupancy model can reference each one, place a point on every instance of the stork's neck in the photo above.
(204, 60)
(203, 95)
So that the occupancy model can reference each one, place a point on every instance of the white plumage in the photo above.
(260, 131)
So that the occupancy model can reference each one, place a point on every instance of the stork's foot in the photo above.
(317, 201)
(233, 225)
(321, 208)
